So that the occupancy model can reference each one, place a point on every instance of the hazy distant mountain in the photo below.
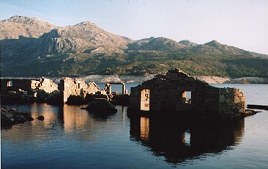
(157, 44)
(188, 43)
(222, 49)
(31, 47)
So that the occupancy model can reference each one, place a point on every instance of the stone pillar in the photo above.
(61, 88)
(123, 88)
(108, 88)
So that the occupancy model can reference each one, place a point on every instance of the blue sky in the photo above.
(240, 23)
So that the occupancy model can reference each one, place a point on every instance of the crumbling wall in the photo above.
(44, 84)
(28, 85)
(167, 95)
(69, 86)
(232, 102)
(210, 103)
(15, 84)
(135, 98)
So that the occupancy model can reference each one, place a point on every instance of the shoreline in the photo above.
(142, 78)
(228, 80)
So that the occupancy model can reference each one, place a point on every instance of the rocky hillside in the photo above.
(155, 44)
(31, 47)
(21, 26)
(84, 37)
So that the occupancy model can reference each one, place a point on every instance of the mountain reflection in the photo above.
(179, 141)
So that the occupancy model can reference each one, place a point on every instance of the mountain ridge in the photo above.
(17, 26)
(85, 48)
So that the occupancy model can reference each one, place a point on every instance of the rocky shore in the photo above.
(11, 116)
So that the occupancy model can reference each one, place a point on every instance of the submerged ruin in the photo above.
(178, 94)
(170, 95)
(74, 87)
(27, 86)
(67, 90)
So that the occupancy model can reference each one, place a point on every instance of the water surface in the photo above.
(70, 137)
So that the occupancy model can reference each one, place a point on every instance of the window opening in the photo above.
(187, 97)
(145, 100)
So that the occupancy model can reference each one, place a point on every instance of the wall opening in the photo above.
(187, 97)
(145, 100)
(9, 83)
(187, 138)
(118, 88)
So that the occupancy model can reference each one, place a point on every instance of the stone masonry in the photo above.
(44, 84)
(27, 85)
(232, 102)
(69, 86)
(180, 94)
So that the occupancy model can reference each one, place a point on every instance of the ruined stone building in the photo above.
(46, 85)
(66, 87)
(75, 87)
(176, 93)
(27, 85)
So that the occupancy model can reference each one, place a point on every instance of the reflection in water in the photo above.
(101, 116)
(71, 119)
(36, 129)
(180, 141)
(47, 111)
(75, 119)
(175, 141)
(105, 143)
(144, 128)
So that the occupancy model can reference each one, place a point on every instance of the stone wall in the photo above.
(44, 84)
(168, 95)
(15, 85)
(69, 86)
(28, 85)
(232, 102)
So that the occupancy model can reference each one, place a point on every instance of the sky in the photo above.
(239, 23)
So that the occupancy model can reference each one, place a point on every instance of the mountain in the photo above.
(156, 44)
(32, 47)
(17, 26)
(85, 37)
(188, 43)
(224, 49)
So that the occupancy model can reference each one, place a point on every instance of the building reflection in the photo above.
(50, 117)
(75, 118)
(71, 120)
(144, 128)
(36, 129)
(179, 141)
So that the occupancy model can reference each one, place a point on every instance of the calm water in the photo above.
(70, 137)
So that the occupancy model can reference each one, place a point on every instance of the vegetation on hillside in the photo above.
(85, 49)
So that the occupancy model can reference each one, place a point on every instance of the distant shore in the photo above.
(241, 80)
(140, 79)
